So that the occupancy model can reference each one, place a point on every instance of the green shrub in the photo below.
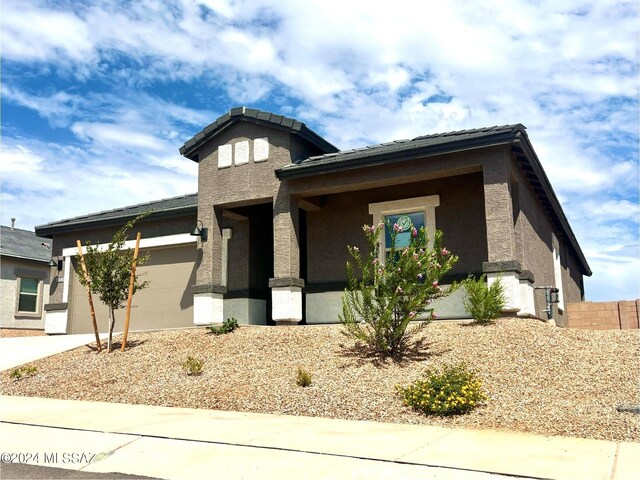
(484, 303)
(392, 289)
(228, 326)
(450, 391)
(303, 378)
(193, 366)
(23, 372)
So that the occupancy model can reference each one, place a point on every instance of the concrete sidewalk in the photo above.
(177, 443)
(20, 350)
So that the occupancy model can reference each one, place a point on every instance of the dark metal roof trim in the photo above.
(242, 114)
(165, 208)
(399, 151)
(548, 198)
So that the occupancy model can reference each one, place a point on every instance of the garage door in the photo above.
(166, 303)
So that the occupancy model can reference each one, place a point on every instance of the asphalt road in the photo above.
(11, 471)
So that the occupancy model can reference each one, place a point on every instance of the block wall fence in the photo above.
(604, 315)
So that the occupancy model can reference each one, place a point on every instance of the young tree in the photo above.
(109, 273)
(391, 291)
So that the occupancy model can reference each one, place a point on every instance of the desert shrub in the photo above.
(450, 391)
(303, 377)
(484, 303)
(391, 291)
(228, 326)
(192, 365)
(23, 372)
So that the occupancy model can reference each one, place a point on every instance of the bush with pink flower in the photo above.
(389, 290)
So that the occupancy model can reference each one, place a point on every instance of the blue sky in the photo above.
(97, 96)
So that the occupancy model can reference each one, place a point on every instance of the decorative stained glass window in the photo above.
(406, 221)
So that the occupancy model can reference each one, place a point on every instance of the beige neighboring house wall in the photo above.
(13, 270)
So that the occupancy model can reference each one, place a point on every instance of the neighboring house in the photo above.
(277, 206)
(24, 279)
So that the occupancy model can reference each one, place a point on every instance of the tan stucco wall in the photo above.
(9, 291)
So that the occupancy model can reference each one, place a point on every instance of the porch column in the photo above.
(209, 290)
(501, 238)
(286, 286)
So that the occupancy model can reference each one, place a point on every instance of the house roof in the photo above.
(242, 114)
(441, 143)
(159, 209)
(24, 244)
(400, 150)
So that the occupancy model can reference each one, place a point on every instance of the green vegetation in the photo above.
(109, 272)
(450, 391)
(23, 371)
(393, 287)
(484, 303)
(192, 365)
(228, 326)
(303, 378)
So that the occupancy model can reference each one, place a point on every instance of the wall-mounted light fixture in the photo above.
(58, 264)
(200, 231)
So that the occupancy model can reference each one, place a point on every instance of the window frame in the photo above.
(426, 205)
(39, 276)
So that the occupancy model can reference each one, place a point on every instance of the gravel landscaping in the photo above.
(20, 332)
(538, 378)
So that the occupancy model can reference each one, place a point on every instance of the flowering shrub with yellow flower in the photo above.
(452, 390)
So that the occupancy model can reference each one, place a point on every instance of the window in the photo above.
(419, 212)
(29, 288)
(28, 295)
(406, 221)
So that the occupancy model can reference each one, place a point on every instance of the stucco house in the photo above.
(24, 279)
(277, 205)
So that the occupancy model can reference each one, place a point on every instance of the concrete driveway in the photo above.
(20, 350)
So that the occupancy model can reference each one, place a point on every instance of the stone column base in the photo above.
(208, 301)
(286, 300)
(56, 318)
(518, 286)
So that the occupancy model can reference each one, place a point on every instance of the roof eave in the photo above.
(300, 129)
(534, 162)
(21, 257)
(49, 230)
(319, 167)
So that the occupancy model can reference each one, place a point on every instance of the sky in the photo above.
(97, 96)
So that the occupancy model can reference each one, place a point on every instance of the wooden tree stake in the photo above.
(131, 283)
(93, 312)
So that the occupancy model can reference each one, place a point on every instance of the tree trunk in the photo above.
(112, 316)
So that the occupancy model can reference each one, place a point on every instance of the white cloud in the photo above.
(62, 182)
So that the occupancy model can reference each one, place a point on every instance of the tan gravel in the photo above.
(20, 332)
(538, 378)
